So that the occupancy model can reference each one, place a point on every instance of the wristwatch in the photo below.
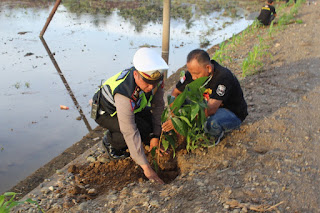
(152, 135)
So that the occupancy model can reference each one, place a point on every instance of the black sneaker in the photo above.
(112, 152)
(219, 138)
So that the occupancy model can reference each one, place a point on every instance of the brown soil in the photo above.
(269, 164)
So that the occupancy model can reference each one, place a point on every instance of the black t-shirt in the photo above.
(265, 14)
(225, 87)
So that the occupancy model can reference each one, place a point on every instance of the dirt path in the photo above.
(270, 164)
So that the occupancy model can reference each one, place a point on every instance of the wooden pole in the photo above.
(166, 32)
(73, 97)
(54, 9)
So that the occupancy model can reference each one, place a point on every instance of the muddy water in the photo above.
(86, 49)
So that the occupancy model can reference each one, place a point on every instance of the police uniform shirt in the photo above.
(225, 87)
(129, 128)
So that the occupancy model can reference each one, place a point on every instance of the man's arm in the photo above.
(157, 109)
(167, 126)
(213, 106)
(175, 92)
(132, 136)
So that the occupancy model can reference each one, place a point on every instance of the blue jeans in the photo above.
(222, 120)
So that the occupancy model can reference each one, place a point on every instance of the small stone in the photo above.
(91, 159)
(45, 190)
(244, 210)
(145, 190)
(136, 192)
(92, 191)
(59, 171)
(200, 183)
(112, 197)
(154, 203)
(134, 209)
(72, 169)
(103, 159)
(82, 206)
(226, 206)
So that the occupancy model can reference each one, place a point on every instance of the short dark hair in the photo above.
(201, 56)
(270, 1)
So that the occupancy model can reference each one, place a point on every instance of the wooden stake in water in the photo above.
(54, 9)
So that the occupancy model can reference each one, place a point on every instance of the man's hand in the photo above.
(167, 126)
(150, 174)
(154, 142)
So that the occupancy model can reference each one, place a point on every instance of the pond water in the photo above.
(87, 49)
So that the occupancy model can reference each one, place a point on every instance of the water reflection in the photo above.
(65, 83)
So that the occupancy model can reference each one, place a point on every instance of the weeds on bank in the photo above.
(221, 54)
(288, 18)
(7, 202)
(253, 62)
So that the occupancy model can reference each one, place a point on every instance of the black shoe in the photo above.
(219, 138)
(112, 152)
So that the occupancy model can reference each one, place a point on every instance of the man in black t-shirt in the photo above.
(267, 13)
(227, 107)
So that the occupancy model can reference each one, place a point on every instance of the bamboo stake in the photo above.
(166, 33)
(54, 9)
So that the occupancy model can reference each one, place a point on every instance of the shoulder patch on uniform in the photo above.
(221, 90)
(133, 105)
(123, 74)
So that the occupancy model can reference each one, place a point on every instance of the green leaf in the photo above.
(186, 120)
(1, 199)
(196, 84)
(178, 125)
(153, 151)
(156, 167)
(170, 99)
(165, 144)
(13, 204)
(174, 151)
(202, 117)
(179, 101)
(172, 141)
(194, 111)
(165, 115)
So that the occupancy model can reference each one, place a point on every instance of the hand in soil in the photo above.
(154, 142)
(151, 174)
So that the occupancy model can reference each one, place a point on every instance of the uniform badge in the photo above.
(135, 94)
(221, 90)
(182, 76)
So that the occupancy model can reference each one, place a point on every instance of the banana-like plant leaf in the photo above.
(179, 101)
(178, 125)
(196, 84)
(194, 111)
(185, 120)
(165, 115)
